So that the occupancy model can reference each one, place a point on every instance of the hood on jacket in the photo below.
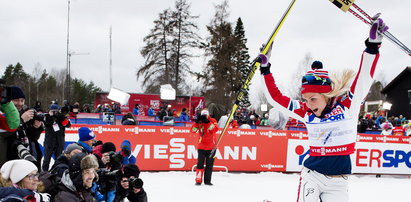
(67, 182)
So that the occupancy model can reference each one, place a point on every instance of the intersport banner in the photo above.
(250, 150)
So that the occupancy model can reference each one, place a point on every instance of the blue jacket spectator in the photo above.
(135, 109)
(128, 158)
(151, 111)
(184, 116)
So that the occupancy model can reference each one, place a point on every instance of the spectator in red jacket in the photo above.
(206, 127)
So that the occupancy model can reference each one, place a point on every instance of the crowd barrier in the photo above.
(160, 148)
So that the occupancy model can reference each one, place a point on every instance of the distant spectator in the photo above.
(128, 119)
(407, 129)
(362, 124)
(74, 110)
(136, 109)
(398, 131)
(99, 108)
(37, 107)
(264, 120)
(184, 116)
(379, 120)
(165, 111)
(85, 109)
(150, 111)
(116, 108)
(386, 128)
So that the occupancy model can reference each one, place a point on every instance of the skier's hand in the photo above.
(264, 64)
(268, 53)
(378, 27)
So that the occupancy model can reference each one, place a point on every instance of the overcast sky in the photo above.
(35, 32)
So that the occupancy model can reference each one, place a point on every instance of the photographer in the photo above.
(130, 186)
(56, 123)
(24, 143)
(108, 175)
(206, 127)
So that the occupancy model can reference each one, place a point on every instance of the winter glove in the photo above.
(378, 27)
(264, 64)
(42, 197)
(264, 58)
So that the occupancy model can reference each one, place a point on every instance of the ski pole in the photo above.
(347, 5)
(255, 64)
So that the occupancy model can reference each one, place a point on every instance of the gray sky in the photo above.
(33, 32)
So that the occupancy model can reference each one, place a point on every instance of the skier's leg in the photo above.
(209, 168)
(200, 166)
(336, 189)
(309, 190)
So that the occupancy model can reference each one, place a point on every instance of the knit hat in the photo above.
(85, 134)
(316, 81)
(108, 147)
(317, 65)
(16, 92)
(72, 147)
(54, 107)
(16, 170)
(126, 145)
(131, 170)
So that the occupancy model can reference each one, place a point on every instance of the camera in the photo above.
(115, 158)
(24, 153)
(38, 116)
(136, 183)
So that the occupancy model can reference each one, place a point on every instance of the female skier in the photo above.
(330, 112)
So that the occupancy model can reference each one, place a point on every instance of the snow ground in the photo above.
(277, 187)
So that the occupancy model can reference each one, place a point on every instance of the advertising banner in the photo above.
(249, 150)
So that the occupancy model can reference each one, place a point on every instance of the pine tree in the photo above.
(241, 61)
(218, 74)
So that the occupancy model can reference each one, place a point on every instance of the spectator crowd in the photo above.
(87, 170)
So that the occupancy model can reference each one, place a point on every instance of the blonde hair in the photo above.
(340, 83)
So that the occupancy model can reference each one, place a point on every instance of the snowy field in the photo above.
(276, 187)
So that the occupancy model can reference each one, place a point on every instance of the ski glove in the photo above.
(373, 42)
(264, 64)
(378, 27)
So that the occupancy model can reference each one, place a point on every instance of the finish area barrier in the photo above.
(159, 148)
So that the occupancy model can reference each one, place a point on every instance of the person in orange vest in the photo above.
(206, 127)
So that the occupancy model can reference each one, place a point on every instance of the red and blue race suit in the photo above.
(331, 137)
